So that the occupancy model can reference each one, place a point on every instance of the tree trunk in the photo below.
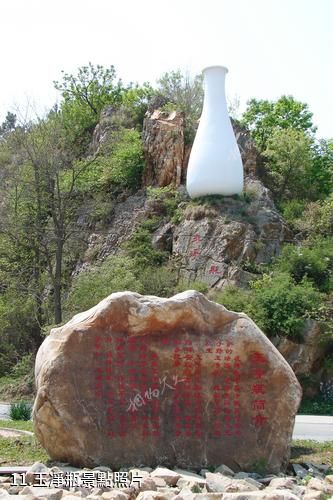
(57, 281)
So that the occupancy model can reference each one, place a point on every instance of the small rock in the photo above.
(36, 473)
(300, 471)
(241, 475)
(329, 478)
(15, 490)
(266, 479)
(138, 474)
(217, 483)
(191, 476)
(318, 484)
(97, 492)
(170, 477)
(70, 496)
(253, 482)
(166, 489)
(203, 472)
(313, 470)
(279, 483)
(102, 468)
(314, 495)
(41, 492)
(159, 482)
(262, 495)
(322, 467)
(155, 495)
(147, 484)
(225, 470)
(187, 483)
(115, 495)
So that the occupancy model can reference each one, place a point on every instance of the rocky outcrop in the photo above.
(163, 141)
(304, 357)
(252, 159)
(180, 381)
(167, 154)
(223, 243)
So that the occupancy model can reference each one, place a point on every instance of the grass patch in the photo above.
(22, 425)
(312, 451)
(23, 450)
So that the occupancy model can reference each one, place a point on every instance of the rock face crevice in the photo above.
(179, 381)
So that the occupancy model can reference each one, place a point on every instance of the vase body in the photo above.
(215, 164)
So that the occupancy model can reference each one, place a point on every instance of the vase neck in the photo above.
(214, 86)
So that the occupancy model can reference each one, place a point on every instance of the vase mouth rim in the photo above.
(217, 66)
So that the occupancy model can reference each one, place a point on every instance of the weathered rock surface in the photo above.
(304, 357)
(167, 154)
(222, 244)
(163, 141)
(178, 381)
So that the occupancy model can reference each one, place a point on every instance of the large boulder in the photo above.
(180, 381)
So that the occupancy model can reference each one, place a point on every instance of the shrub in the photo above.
(275, 302)
(160, 281)
(313, 261)
(125, 163)
(115, 274)
(20, 411)
(292, 210)
(236, 299)
(281, 305)
(168, 196)
(139, 246)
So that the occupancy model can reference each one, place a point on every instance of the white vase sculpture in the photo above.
(215, 164)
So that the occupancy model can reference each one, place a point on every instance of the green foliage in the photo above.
(124, 164)
(316, 406)
(115, 274)
(8, 125)
(282, 305)
(313, 260)
(186, 94)
(18, 327)
(24, 367)
(20, 411)
(139, 246)
(292, 210)
(23, 425)
(263, 117)
(159, 281)
(197, 285)
(168, 197)
(289, 157)
(275, 302)
(21, 451)
(236, 299)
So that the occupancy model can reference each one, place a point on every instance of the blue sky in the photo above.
(271, 47)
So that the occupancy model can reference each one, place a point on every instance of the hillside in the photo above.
(93, 201)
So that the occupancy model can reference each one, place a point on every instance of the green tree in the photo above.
(9, 124)
(290, 158)
(263, 117)
(84, 96)
(186, 94)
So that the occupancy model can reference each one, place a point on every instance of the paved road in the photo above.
(4, 411)
(314, 427)
(319, 428)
